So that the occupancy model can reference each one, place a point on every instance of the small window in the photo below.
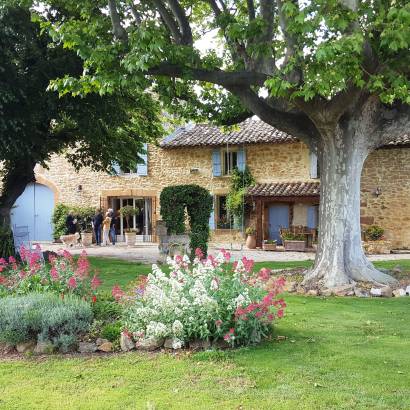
(223, 219)
(230, 161)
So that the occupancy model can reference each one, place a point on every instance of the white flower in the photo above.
(177, 328)
(177, 344)
(157, 330)
(214, 284)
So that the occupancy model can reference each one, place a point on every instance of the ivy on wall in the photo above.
(240, 182)
(198, 203)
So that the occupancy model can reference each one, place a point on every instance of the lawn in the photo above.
(339, 353)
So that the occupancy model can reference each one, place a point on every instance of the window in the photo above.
(141, 169)
(223, 219)
(314, 166)
(230, 161)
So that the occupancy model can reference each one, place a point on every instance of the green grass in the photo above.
(119, 272)
(339, 353)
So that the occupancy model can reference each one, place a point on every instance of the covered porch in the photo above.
(283, 205)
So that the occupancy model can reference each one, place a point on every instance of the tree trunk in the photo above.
(340, 258)
(15, 179)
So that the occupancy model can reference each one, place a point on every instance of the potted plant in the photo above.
(269, 245)
(250, 237)
(84, 220)
(128, 212)
(294, 242)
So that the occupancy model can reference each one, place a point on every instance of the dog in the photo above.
(71, 240)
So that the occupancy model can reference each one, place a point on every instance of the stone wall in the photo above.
(388, 169)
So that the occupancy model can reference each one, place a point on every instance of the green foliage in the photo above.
(6, 242)
(83, 215)
(128, 212)
(290, 236)
(44, 317)
(106, 309)
(250, 230)
(58, 220)
(374, 232)
(240, 181)
(198, 203)
(111, 331)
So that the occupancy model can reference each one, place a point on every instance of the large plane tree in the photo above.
(333, 73)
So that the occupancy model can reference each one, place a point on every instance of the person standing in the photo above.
(106, 229)
(71, 223)
(97, 222)
(114, 219)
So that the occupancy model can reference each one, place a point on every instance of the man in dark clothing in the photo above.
(71, 223)
(97, 222)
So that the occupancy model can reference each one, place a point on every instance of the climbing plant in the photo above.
(240, 181)
(198, 203)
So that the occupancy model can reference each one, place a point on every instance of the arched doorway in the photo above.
(34, 209)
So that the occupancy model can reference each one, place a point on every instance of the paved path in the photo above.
(148, 253)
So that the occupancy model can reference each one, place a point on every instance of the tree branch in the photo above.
(135, 14)
(181, 18)
(168, 20)
(251, 10)
(298, 125)
(224, 78)
(118, 30)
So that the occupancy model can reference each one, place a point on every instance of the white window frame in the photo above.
(229, 169)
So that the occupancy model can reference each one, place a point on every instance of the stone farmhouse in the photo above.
(286, 192)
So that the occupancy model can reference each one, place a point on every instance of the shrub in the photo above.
(107, 309)
(374, 232)
(44, 317)
(63, 275)
(6, 242)
(198, 203)
(83, 215)
(111, 331)
(290, 236)
(208, 299)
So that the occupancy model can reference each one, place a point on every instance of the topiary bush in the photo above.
(198, 203)
(44, 317)
(6, 242)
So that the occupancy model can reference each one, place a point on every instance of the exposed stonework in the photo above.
(388, 169)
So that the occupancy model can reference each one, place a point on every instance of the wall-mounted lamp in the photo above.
(79, 188)
(377, 192)
(194, 171)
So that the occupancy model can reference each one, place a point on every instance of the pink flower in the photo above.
(1, 268)
(259, 314)
(264, 274)
(248, 264)
(95, 282)
(51, 258)
(280, 313)
(54, 274)
(22, 274)
(72, 283)
(94, 299)
(12, 259)
(178, 259)
(67, 255)
(199, 254)
(3, 261)
(3, 280)
(218, 323)
(227, 337)
(117, 292)
(226, 255)
(270, 317)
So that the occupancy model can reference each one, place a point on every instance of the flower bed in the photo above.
(210, 299)
(62, 275)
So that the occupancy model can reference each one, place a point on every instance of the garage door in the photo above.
(34, 209)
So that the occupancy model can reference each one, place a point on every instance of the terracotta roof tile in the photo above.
(250, 131)
(285, 189)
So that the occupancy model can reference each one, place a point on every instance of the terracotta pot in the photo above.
(86, 238)
(251, 242)
(130, 238)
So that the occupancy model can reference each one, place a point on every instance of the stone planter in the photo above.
(86, 238)
(269, 246)
(296, 246)
(251, 242)
(380, 247)
(130, 238)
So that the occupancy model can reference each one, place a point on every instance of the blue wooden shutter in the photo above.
(312, 217)
(212, 216)
(313, 165)
(116, 169)
(216, 163)
(241, 159)
(142, 168)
